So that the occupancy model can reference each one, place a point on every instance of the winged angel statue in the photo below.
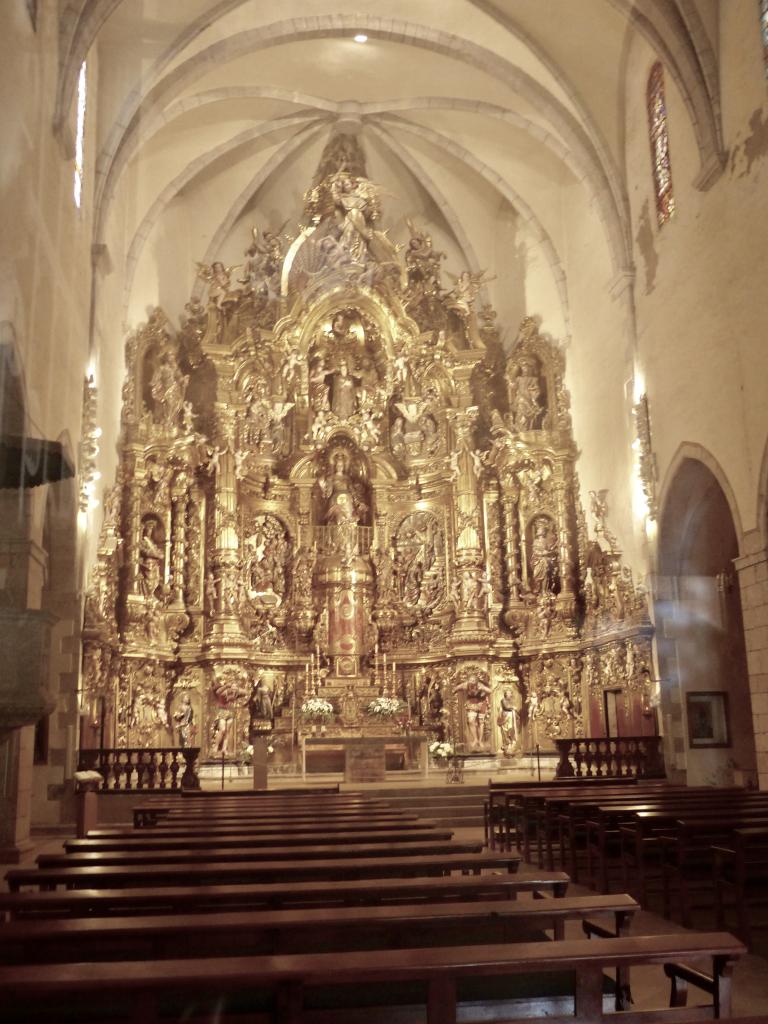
(345, 209)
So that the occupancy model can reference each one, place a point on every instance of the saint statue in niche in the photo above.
(344, 391)
(168, 387)
(524, 395)
(260, 708)
(319, 389)
(509, 718)
(185, 722)
(476, 706)
(151, 558)
(342, 503)
(545, 575)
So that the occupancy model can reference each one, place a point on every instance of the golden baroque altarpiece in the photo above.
(334, 483)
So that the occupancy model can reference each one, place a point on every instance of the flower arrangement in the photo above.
(385, 707)
(440, 751)
(317, 707)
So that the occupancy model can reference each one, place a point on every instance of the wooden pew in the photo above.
(640, 840)
(206, 899)
(444, 976)
(388, 825)
(520, 807)
(527, 812)
(145, 816)
(741, 868)
(233, 933)
(497, 791)
(544, 817)
(603, 844)
(149, 813)
(245, 794)
(222, 855)
(215, 872)
(150, 841)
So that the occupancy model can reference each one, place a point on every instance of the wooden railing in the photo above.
(134, 769)
(610, 757)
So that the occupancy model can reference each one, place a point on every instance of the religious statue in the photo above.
(422, 263)
(476, 706)
(319, 388)
(260, 707)
(414, 432)
(342, 505)
(344, 391)
(221, 734)
(167, 387)
(461, 299)
(524, 394)
(509, 719)
(471, 590)
(544, 561)
(151, 559)
(303, 570)
(384, 566)
(263, 260)
(218, 278)
(185, 722)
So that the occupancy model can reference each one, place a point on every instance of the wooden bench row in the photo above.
(441, 979)
(185, 899)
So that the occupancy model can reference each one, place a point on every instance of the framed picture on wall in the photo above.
(707, 712)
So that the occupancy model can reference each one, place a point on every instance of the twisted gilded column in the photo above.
(225, 564)
(469, 582)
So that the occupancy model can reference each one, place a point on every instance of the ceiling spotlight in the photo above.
(361, 38)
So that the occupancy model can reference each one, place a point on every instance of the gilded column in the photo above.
(470, 585)
(178, 538)
(133, 526)
(510, 495)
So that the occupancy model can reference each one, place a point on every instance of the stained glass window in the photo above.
(657, 131)
(764, 32)
(79, 137)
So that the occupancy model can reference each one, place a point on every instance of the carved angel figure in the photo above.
(356, 202)
(422, 262)
(218, 278)
(461, 298)
(263, 259)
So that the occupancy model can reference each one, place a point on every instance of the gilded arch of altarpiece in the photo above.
(332, 479)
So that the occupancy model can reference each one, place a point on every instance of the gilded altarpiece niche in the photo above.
(334, 482)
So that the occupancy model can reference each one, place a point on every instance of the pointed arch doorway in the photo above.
(705, 695)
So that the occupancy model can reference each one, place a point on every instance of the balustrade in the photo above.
(133, 769)
(610, 757)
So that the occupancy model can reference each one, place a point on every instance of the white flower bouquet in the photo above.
(385, 707)
(317, 707)
(440, 751)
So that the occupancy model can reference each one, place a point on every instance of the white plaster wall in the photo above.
(701, 300)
